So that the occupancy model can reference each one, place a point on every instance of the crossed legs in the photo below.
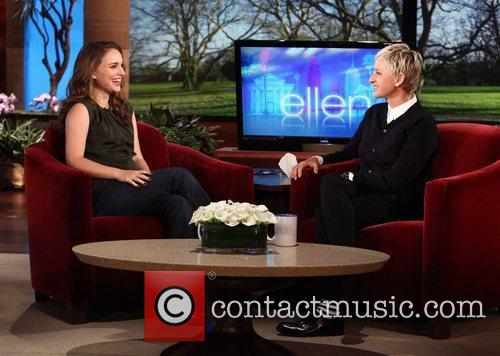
(172, 195)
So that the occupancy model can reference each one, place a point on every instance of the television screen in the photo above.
(303, 91)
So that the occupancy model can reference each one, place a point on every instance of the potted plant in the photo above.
(43, 109)
(13, 141)
(181, 129)
(7, 103)
(225, 225)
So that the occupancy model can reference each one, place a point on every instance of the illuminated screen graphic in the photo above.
(305, 92)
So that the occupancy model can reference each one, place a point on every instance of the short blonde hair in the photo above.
(401, 59)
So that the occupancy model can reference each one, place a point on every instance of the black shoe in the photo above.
(312, 327)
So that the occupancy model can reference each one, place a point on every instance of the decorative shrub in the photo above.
(181, 129)
(14, 140)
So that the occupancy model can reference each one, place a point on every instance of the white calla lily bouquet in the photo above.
(232, 214)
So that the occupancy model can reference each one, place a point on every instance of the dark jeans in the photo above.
(172, 195)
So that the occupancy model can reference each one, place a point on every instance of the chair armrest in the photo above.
(461, 237)
(305, 191)
(221, 180)
(58, 198)
(59, 210)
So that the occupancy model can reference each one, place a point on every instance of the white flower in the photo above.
(261, 207)
(245, 210)
(243, 215)
(206, 216)
(220, 214)
(259, 216)
(231, 221)
(270, 218)
(219, 205)
(196, 216)
(249, 221)
(233, 213)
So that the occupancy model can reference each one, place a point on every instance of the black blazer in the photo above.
(395, 158)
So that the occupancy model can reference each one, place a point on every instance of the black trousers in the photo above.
(346, 207)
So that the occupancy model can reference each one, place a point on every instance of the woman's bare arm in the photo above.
(77, 127)
(138, 159)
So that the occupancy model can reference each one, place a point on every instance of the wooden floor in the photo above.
(13, 227)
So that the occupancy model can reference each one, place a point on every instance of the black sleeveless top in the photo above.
(109, 141)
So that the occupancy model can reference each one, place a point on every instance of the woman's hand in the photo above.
(134, 177)
(310, 162)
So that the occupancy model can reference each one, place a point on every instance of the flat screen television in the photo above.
(290, 93)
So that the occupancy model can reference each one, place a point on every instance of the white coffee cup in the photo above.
(285, 230)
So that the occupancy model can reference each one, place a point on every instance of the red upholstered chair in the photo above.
(59, 214)
(452, 254)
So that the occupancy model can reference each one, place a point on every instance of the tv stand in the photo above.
(259, 159)
(324, 148)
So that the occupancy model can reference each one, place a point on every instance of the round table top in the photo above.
(305, 259)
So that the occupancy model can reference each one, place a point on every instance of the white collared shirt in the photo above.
(394, 113)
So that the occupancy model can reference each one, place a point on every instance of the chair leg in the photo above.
(40, 297)
(439, 328)
(76, 311)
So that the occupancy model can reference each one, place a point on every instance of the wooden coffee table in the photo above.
(232, 277)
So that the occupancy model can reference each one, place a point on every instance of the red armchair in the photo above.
(59, 214)
(452, 254)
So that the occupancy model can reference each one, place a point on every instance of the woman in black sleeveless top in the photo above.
(102, 141)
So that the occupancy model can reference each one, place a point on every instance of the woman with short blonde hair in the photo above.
(394, 143)
(400, 59)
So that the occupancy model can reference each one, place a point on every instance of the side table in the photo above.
(267, 159)
(272, 188)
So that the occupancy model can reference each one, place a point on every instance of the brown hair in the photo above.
(401, 59)
(87, 61)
